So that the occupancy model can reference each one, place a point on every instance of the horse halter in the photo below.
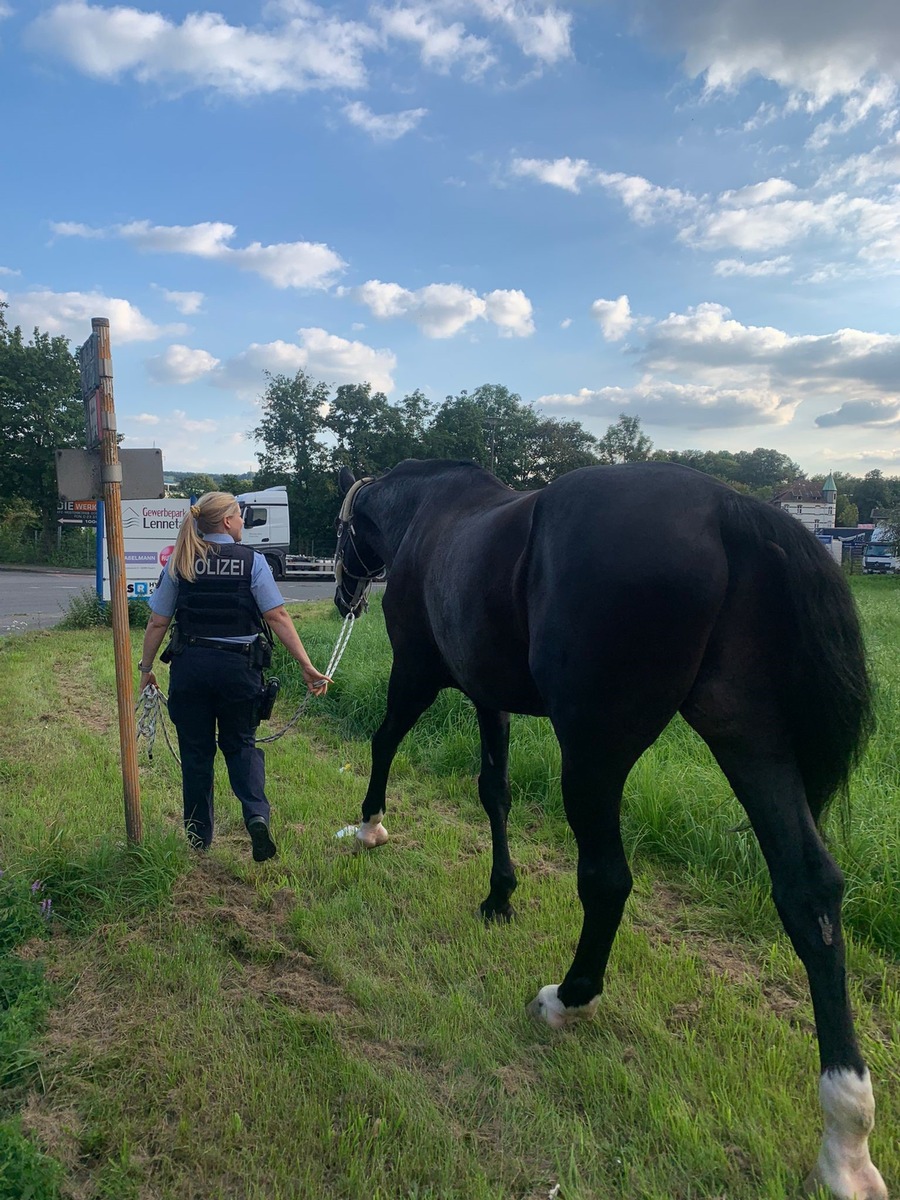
(357, 599)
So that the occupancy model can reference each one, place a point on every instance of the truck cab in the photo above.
(267, 525)
(880, 559)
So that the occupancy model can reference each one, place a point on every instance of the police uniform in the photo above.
(216, 676)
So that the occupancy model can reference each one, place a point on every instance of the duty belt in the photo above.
(212, 644)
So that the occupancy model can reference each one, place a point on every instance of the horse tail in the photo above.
(825, 691)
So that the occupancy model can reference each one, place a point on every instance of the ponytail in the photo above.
(203, 517)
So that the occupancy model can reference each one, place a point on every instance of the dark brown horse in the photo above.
(609, 601)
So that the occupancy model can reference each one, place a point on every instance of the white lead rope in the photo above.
(149, 709)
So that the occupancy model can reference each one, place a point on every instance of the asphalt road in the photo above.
(37, 599)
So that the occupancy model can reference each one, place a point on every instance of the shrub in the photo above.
(87, 611)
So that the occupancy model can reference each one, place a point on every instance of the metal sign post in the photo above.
(100, 424)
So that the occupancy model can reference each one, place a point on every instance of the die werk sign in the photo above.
(150, 528)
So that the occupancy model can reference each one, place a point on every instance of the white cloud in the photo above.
(862, 412)
(188, 424)
(145, 419)
(614, 317)
(443, 309)
(645, 201)
(704, 369)
(385, 127)
(309, 49)
(187, 303)
(332, 358)
(75, 229)
(70, 313)
(856, 109)
(818, 52)
(511, 311)
(565, 323)
(440, 46)
(687, 405)
(285, 264)
(567, 173)
(541, 33)
(759, 193)
(180, 364)
(759, 218)
(9, 271)
(862, 169)
(767, 266)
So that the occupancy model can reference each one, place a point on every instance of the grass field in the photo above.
(333, 1024)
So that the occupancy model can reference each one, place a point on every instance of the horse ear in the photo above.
(346, 480)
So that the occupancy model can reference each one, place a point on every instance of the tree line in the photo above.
(306, 431)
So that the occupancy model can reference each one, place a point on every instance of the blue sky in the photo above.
(689, 212)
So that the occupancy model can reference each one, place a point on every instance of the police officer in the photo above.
(222, 596)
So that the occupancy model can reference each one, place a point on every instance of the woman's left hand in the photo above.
(146, 677)
(316, 681)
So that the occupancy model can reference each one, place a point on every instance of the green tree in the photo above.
(370, 434)
(491, 426)
(846, 514)
(196, 483)
(292, 419)
(624, 442)
(234, 484)
(560, 446)
(40, 412)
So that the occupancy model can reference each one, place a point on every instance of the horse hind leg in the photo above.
(745, 733)
(493, 791)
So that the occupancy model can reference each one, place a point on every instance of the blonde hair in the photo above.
(206, 516)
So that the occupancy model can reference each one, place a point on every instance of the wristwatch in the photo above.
(145, 670)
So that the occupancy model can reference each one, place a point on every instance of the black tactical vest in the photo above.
(219, 603)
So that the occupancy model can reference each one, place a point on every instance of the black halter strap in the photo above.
(357, 598)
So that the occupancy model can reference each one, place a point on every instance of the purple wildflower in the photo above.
(37, 885)
(47, 908)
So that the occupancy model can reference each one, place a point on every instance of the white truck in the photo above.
(267, 528)
(880, 558)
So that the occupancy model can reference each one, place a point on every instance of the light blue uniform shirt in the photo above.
(262, 586)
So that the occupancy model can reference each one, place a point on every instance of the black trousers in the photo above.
(209, 687)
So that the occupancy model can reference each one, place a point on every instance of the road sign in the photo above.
(150, 531)
(93, 368)
(78, 474)
(77, 512)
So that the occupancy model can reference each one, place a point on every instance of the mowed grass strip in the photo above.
(337, 1024)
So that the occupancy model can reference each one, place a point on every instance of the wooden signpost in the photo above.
(95, 361)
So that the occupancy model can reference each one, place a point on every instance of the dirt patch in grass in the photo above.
(254, 930)
(80, 702)
(665, 918)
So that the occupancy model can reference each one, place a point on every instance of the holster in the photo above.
(261, 653)
(174, 648)
(266, 701)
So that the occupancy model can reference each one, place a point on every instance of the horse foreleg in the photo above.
(493, 790)
(407, 699)
(807, 888)
(592, 794)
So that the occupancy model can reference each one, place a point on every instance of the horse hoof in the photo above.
(370, 836)
(865, 1184)
(547, 1006)
(501, 915)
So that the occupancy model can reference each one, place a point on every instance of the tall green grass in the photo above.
(678, 809)
(337, 1025)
